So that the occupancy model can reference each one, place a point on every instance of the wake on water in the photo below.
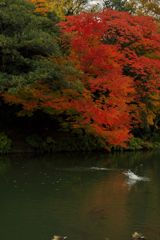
(83, 169)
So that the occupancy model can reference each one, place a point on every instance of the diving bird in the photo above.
(137, 236)
(132, 176)
(56, 237)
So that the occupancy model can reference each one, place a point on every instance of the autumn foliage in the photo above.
(41, 6)
(110, 68)
(119, 55)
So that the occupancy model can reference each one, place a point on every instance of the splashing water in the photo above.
(132, 176)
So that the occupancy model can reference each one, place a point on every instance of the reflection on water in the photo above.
(81, 196)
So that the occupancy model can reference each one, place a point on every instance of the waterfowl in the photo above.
(137, 236)
(132, 176)
(56, 237)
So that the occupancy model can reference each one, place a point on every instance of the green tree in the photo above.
(119, 5)
(138, 7)
(146, 7)
(29, 48)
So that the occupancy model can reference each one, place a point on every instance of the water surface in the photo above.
(83, 196)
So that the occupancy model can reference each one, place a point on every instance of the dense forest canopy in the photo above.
(96, 71)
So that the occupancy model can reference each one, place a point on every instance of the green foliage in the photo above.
(138, 7)
(5, 143)
(28, 41)
(119, 5)
(4, 165)
(156, 137)
(61, 8)
(135, 144)
(156, 145)
(68, 143)
(66, 7)
(140, 144)
(86, 142)
(146, 7)
(83, 143)
(41, 144)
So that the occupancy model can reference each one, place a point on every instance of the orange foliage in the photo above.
(107, 110)
(112, 49)
(41, 6)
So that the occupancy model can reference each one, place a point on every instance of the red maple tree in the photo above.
(119, 55)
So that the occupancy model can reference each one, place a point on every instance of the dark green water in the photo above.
(65, 195)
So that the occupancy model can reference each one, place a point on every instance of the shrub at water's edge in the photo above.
(5, 143)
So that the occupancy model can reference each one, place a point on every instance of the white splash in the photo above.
(132, 176)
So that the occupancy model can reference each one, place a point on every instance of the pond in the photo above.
(82, 196)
